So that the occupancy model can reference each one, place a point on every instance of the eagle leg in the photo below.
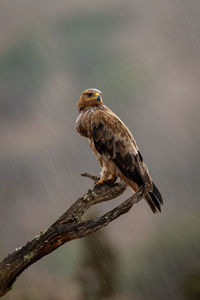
(111, 180)
(105, 181)
(100, 181)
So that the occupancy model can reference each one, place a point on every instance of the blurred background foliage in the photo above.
(21, 74)
(144, 56)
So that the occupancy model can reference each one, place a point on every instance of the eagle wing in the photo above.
(113, 140)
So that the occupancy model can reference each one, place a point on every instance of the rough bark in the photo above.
(68, 227)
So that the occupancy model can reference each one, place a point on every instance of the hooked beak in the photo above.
(98, 98)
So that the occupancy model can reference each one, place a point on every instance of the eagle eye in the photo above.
(90, 95)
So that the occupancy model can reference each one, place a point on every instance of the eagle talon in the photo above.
(100, 182)
(103, 181)
(111, 181)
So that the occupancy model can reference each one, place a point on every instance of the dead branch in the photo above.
(68, 227)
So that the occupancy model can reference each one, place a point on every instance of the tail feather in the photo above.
(157, 194)
(154, 199)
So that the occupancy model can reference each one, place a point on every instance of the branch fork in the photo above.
(68, 227)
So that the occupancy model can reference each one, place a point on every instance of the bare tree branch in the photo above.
(68, 227)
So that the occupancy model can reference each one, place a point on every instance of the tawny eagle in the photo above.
(115, 147)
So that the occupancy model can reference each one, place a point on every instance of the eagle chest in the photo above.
(83, 124)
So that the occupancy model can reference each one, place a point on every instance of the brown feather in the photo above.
(116, 149)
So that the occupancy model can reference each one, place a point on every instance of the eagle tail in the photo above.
(154, 199)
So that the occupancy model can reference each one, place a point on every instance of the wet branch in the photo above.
(68, 227)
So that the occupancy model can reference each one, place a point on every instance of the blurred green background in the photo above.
(145, 58)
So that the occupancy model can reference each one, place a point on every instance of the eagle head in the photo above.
(90, 97)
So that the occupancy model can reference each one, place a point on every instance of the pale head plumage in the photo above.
(90, 97)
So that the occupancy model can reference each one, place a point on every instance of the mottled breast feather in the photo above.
(83, 123)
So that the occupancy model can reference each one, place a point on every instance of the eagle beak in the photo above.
(98, 97)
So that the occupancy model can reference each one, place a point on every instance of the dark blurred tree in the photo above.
(163, 261)
(98, 275)
(191, 286)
